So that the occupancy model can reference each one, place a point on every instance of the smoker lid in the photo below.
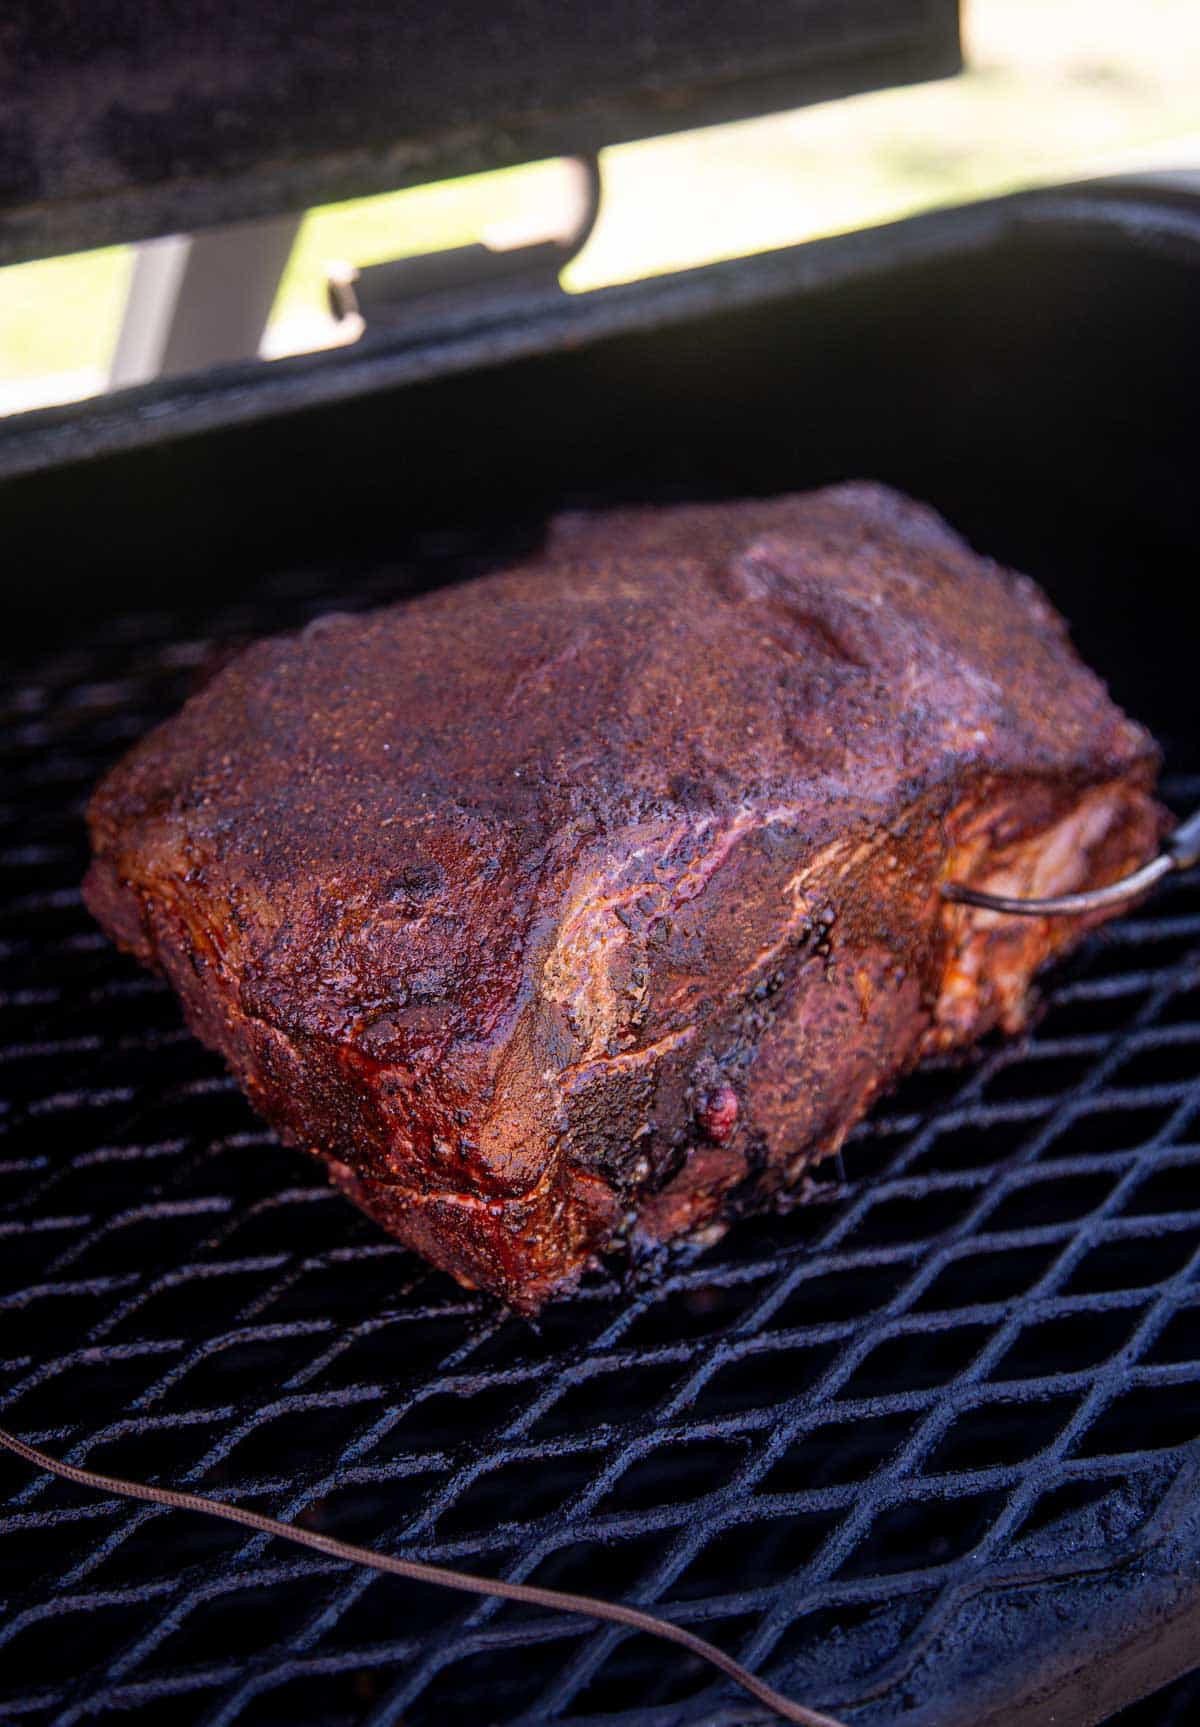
(120, 121)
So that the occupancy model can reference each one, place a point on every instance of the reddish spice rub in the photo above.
(594, 900)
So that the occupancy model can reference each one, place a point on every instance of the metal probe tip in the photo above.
(1182, 853)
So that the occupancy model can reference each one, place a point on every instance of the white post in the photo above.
(198, 300)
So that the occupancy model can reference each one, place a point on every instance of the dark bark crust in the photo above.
(596, 899)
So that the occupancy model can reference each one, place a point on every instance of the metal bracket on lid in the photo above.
(1181, 852)
(421, 289)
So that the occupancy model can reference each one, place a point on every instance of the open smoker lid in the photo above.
(120, 121)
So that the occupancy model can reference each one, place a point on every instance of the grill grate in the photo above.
(836, 1443)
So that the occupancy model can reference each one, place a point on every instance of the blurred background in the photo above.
(1054, 89)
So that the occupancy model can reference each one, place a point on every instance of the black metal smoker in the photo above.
(923, 1449)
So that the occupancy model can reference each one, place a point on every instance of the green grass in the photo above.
(61, 315)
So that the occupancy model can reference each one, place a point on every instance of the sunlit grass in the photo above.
(62, 314)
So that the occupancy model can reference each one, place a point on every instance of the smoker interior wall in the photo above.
(1041, 393)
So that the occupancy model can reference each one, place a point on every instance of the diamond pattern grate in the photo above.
(972, 1355)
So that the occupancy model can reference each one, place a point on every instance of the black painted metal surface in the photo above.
(1125, 221)
(119, 121)
(923, 1447)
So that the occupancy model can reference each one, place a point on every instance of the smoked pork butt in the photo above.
(587, 904)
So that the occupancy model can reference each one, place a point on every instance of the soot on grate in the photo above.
(819, 1444)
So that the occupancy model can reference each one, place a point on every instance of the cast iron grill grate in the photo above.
(836, 1442)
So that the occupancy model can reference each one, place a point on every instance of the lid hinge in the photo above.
(434, 287)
